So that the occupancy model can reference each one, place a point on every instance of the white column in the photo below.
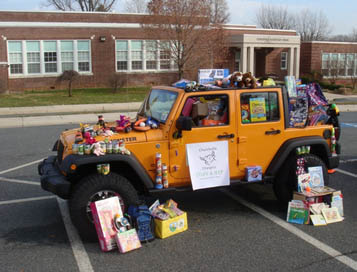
(251, 60)
(290, 61)
(297, 62)
(243, 59)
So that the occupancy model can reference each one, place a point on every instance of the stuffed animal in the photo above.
(249, 81)
(236, 79)
(97, 150)
(88, 138)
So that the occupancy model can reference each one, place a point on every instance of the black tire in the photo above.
(286, 181)
(95, 187)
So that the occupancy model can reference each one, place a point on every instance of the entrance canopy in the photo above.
(247, 43)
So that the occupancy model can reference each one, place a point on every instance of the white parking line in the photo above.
(346, 173)
(20, 166)
(25, 200)
(289, 227)
(79, 251)
(20, 181)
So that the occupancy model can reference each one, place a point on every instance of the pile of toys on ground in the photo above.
(96, 139)
(313, 201)
(140, 224)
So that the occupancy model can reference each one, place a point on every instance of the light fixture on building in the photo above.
(102, 38)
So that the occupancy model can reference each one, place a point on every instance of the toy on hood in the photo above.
(97, 149)
(236, 79)
(78, 137)
(101, 122)
(152, 123)
(249, 81)
(123, 124)
(140, 125)
(88, 138)
(107, 132)
(122, 148)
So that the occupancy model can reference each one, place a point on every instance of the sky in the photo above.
(342, 14)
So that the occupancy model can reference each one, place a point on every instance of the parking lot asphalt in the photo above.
(239, 228)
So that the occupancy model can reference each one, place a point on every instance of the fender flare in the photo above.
(129, 160)
(290, 145)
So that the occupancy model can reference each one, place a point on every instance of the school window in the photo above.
(67, 56)
(259, 107)
(151, 55)
(284, 61)
(208, 110)
(83, 51)
(349, 64)
(164, 56)
(325, 64)
(29, 58)
(137, 55)
(122, 55)
(339, 64)
(15, 57)
(50, 56)
(33, 57)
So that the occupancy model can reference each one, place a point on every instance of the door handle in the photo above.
(272, 132)
(225, 136)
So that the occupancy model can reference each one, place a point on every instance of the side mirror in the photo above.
(184, 123)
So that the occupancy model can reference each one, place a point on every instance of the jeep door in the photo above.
(213, 119)
(260, 126)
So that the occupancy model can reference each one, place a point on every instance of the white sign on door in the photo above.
(208, 164)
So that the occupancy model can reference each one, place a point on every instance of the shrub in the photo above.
(70, 76)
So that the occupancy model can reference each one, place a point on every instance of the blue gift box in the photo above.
(253, 173)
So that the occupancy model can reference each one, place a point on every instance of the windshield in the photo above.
(158, 104)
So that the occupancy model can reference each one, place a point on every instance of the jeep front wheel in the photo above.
(96, 187)
(286, 180)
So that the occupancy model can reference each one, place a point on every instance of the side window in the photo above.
(259, 107)
(207, 110)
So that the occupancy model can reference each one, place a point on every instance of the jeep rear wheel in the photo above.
(96, 187)
(286, 180)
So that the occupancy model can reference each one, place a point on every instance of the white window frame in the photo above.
(345, 67)
(42, 73)
(33, 62)
(62, 52)
(22, 57)
(145, 58)
(284, 61)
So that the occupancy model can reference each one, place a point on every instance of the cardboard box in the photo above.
(103, 214)
(253, 173)
(127, 241)
(172, 226)
(312, 197)
(199, 110)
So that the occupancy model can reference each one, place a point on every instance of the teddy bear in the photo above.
(249, 81)
(236, 77)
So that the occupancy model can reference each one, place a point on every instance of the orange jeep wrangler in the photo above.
(255, 137)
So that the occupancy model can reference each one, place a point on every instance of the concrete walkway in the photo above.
(88, 113)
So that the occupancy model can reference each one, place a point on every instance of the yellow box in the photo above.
(172, 226)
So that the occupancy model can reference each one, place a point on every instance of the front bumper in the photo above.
(52, 180)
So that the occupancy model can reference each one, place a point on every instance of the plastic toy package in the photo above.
(104, 212)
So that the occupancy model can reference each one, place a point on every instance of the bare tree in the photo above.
(136, 6)
(185, 32)
(70, 76)
(272, 17)
(312, 26)
(83, 5)
(219, 12)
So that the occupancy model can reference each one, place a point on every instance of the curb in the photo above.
(58, 109)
